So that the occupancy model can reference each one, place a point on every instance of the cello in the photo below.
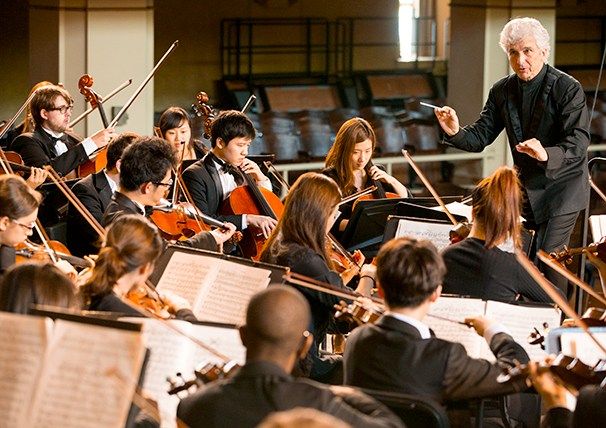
(247, 199)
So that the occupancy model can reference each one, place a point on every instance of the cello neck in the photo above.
(380, 192)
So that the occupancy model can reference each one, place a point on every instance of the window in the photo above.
(407, 16)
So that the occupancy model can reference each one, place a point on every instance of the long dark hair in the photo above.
(132, 242)
(28, 284)
(497, 205)
(307, 209)
(352, 132)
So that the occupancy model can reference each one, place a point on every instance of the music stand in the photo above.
(366, 225)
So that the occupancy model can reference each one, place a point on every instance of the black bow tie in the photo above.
(230, 169)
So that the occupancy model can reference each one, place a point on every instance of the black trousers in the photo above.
(553, 235)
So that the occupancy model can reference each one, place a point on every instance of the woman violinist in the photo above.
(18, 212)
(299, 242)
(481, 265)
(124, 264)
(349, 163)
(175, 127)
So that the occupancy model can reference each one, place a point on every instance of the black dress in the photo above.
(305, 261)
(489, 274)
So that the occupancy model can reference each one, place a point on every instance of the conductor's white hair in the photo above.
(518, 28)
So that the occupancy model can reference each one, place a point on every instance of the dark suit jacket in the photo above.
(202, 181)
(559, 121)
(95, 194)
(261, 388)
(391, 356)
(38, 149)
(121, 205)
(589, 411)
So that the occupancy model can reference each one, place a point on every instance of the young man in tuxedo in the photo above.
(95, 192)
(50, 143)
(276, 337)
(212, 179)
(400, 353)
(145, 179)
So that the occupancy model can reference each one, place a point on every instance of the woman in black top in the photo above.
(175, 127)
(299, 242)
(483, 265)
(125, 262)
(348, 163)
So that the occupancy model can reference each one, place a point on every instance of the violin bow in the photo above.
(553, 264)
(14, 118)
(105, 98)
(142, 85)
(357, 195)
(550, 289)
(428, 185)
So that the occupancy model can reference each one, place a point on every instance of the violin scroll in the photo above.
(203, 109)
(204, 373)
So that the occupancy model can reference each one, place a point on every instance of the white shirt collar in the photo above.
(112, 184)
(422, 328)
(53, 133)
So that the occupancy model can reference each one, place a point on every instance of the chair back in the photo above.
(415, 412)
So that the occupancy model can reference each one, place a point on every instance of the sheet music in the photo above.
(227, 296)
(218, 290)
(456, 308)
(598, 226)
(89, 376)
(457, 208)
(520, 321)
(172, 353)
(24, 339)
(186, 274)
(437, 233)
(579, 344)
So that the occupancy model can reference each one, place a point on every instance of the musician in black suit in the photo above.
(400, 353)
(95, 192)
(212, 179)
(50, 144)
(544, 113)
(275, 339)
(145, 178)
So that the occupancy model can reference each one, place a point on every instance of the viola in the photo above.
(27, 251)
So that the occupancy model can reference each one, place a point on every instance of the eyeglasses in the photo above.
(170, 183)
(62, 109)
(28, 227)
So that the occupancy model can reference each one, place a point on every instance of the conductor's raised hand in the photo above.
(534, 149)
(448, 119)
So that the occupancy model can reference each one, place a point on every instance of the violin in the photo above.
(356, 313)
(27, 251)
(204, 373)
(142, 297)
(182, 221)
(571, 371)
(566, 254)
(91, 166)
